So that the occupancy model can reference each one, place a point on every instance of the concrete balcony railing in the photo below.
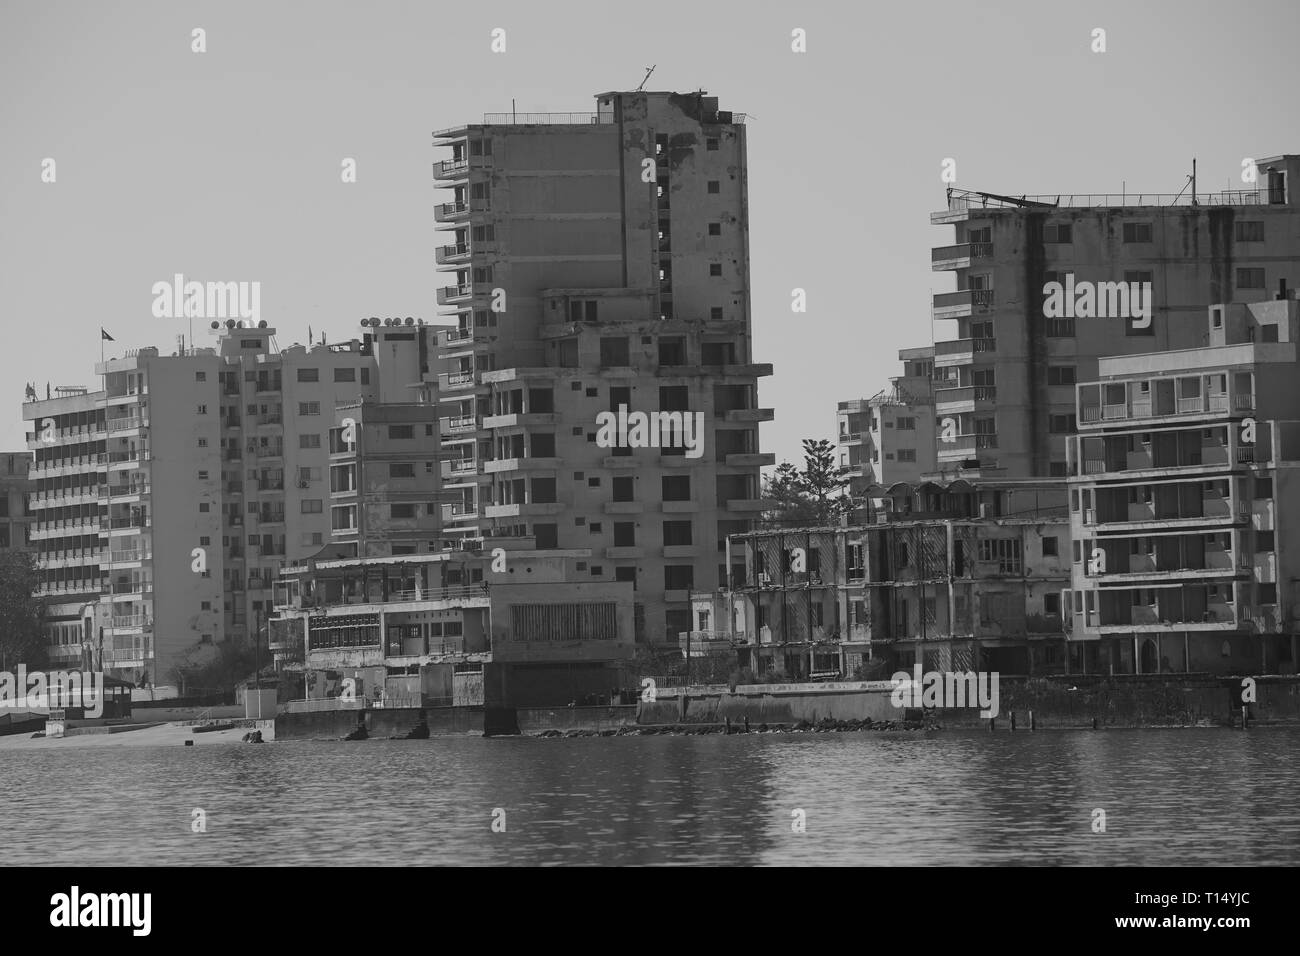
(948, 305)
(959, 256)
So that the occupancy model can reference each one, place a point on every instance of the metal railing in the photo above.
(972, 199)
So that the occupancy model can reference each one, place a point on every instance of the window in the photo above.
(203, 476)
(1137, 232)
(200, 376)
(1005, 552)
(1060, 375)
(203, 507)
(715, 313)
(1058, 232)
(679, 577)
(624, 489)
(1263, 540)
(1058, 469)
(1263, 486)
(1060, 328)
(401, 469)
(365, 376)
(401, 432)
(401, 511)
(715, 269)
(1061, 424)
(203, 443)
(676, 487)
(250, 343)
(710, 143)
(677, 534)
(624, 534)
(1249, 230)
(907, 424)
(614, 351)
(309, 441)
(205, 605)
(1250, 278)
(1052, 605)
(345, 375)
(715, 229)
(203, 409)
(715, 186)
(312, 506)
(907, 454)
(1050, 547)
(205, 541)
(309, 375)
(309, 408)
(596, 528)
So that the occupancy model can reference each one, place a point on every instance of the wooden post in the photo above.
(1031, 720)
(1013, 721)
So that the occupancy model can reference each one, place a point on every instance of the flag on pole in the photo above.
(104, 336)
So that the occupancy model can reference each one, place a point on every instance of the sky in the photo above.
(225, 164)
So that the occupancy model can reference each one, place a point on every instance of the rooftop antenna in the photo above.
(649, 70)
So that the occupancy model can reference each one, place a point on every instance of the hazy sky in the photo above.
(225, 165)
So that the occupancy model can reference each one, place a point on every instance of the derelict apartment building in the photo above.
(597, 261)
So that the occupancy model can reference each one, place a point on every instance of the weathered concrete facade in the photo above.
(1185, 548)
(602, 261)
(1006, 379)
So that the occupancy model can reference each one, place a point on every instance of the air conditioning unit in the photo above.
(304, 483)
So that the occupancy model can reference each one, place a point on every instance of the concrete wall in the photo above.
(379, 723)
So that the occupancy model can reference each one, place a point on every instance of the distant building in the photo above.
(448, 630)
(15, 509)
(889, 437)
(1005, 380)
(955, 577)
(165, 503)
(1185, 555)
(601, 260)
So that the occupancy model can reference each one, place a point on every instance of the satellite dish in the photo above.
(262, 324)
(410, 321)
(216, 324)
(230, 323)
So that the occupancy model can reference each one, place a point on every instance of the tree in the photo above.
(21, 611)
(813, 497)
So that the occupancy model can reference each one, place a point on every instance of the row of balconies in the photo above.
(1140, 408)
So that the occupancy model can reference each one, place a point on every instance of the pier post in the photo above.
(1012, 715)
(1031, 720)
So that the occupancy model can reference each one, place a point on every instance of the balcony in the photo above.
(750, 459)
(130, 622)
(850, 438)
(451, 212)
(967, 443)
(460, 425)
(964, 350)
(960, 256)
(128, 423)
(451, 169)
(465, 467)
(455, 252)
(450, 294)
(453, 381)
(955, 305)
(270, 517)
(498, 465)
(966, 395)
(746, 415)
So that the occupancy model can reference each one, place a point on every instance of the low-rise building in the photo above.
(953, 576)
(461, 627)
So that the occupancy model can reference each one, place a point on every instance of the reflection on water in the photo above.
(1174, 797)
